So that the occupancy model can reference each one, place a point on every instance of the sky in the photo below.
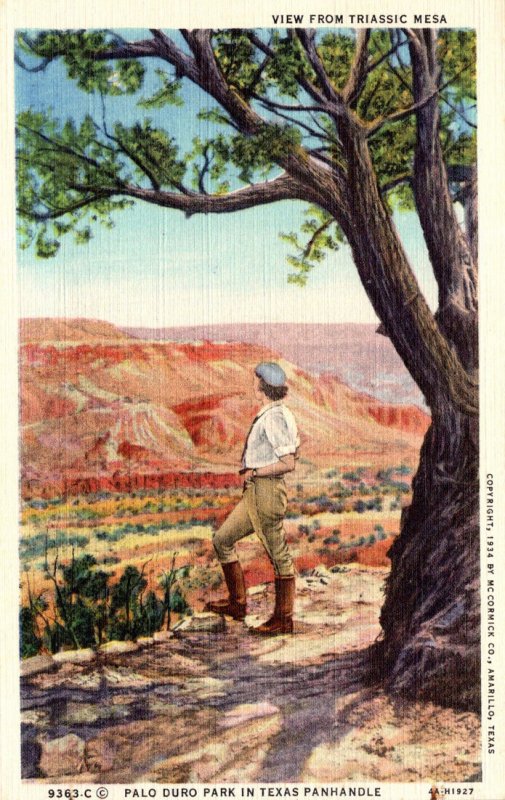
(156, 268)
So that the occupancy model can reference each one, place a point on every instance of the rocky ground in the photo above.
(212, 703)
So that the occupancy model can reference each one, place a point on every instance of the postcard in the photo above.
(253, 429)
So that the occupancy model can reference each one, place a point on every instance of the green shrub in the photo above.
(87, 609)
(354, 477)
(178, 602)
(29, 642)
(149, 617)
(403, 469)
(384, 475)
(375, 504)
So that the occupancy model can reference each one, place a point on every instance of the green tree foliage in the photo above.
(71, 176)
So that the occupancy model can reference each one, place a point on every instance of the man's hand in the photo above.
(285, 464)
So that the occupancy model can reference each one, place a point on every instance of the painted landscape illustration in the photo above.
(209, 219)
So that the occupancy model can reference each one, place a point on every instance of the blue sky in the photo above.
(157, 268)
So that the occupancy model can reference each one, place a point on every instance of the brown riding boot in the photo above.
(282, 619)
(235, 605)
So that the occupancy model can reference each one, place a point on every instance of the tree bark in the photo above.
(448, 247)
(430, 617)
(431, 613)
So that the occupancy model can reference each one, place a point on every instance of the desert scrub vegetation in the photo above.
(86, 608)
(101, 505)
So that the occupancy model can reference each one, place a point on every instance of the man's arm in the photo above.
(281, 467)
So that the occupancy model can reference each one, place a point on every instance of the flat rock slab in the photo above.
(205, 688)
(205, 621)
(75, 678)
(118, 648)
(89, 713)
(125, 677)
(177, 664)
(163, 636)
(84, 656)
(36, 665)
(63, 756)
(145, 641)
(232, 754)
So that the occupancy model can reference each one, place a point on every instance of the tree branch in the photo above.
(394, 71)
(459, 113)
(202, 69)
(143, 168)
(365, 103)
(60, 212)
(274, 108)
(310, 244)
(60, 147)
(204, 170)
(257, 77)
(305, 84)
(358, 73)
(403, 113)
(460, 173)
(406, 177)
(449, 250)
(376, 125)
(414, 39)
(286, 107)
(282, 188)
(39, 68)
(307, 40)
(384, 56)
(318, 152)
(145, 48)
(210, 78)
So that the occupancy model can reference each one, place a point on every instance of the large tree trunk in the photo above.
(431, 614)
(430, 618)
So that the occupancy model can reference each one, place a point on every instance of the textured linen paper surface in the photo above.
(214, 205)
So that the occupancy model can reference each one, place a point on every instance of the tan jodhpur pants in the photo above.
(261, 510)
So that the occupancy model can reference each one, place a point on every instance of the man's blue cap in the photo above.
(271, 373)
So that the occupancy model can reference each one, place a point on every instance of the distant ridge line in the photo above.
(352, 351)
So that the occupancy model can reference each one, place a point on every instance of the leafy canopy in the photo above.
(73, 175)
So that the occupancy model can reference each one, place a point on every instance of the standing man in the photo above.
(269, 453)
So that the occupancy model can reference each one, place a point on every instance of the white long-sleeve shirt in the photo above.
(273, 434)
